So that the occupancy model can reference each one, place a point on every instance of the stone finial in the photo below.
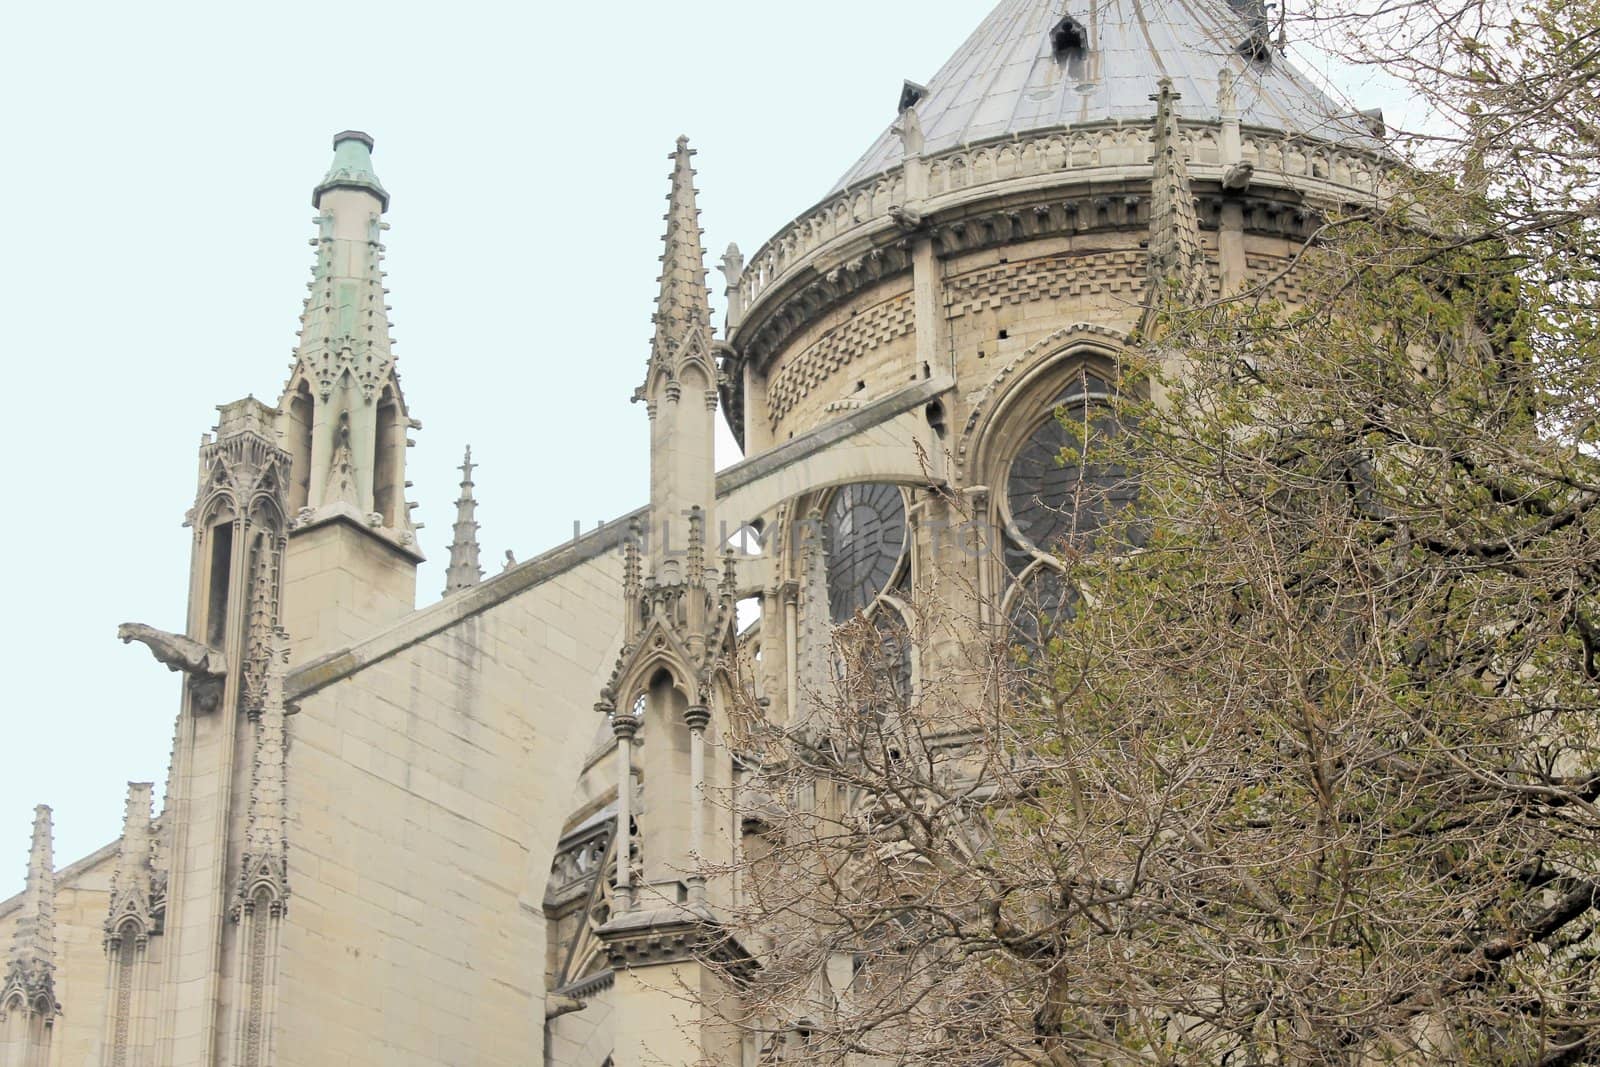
(132, 881)
(464, 571)
(1227, 97)
(30, 969)
(733, 264)
(351, 168)
(1176, 265)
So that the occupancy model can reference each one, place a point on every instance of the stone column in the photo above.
(697, 716)
(624, 724)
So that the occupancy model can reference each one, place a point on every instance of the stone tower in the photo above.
(892, 363)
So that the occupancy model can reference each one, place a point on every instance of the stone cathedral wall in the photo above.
(427, 792)
(995, 304)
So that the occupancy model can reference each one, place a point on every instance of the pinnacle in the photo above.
(1174, 258)
(33, 944)
(684, 301)
(463, 571)
(40, 853)
(130, 879)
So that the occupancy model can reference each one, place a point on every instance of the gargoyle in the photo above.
(907, 218)
(1237, 178)
(204, 665)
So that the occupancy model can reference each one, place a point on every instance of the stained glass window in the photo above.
(865, 528)
(1055, 497)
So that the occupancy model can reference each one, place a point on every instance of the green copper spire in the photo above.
(351, 169)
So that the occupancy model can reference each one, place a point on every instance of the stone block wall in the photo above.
(426, 793)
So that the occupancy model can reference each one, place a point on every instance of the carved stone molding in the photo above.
(671, 935)
(853, 338)
(1331, 172)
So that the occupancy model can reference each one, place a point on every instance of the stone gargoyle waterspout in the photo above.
(205, 666)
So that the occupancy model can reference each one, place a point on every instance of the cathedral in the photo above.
(477, 833)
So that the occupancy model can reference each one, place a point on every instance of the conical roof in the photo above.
(1013, 76)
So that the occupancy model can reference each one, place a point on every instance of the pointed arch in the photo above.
(1017, 393)
(694, 353)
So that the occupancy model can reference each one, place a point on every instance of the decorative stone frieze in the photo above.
(840, 347)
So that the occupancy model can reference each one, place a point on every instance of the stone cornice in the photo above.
(397, 541)
(594, 983)
(674, 934)
(1323, 171)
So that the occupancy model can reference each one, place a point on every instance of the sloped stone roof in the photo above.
(1011, 77)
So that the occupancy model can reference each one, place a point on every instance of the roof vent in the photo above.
(1257, 49)
(1372, 119)
(911, 94)
(1068, 41)
(1257, 44)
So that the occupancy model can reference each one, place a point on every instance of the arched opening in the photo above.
(387, 461)
(301, 414)
(1069, 43)
(663, 818)
(1062, 488)
(219, 578)
(13, 1021)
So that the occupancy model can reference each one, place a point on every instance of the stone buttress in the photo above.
(674, 682)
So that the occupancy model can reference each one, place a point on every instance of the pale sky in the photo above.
(157, 181)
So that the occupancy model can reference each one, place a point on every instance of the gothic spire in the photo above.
(30, 970)
(680, 386)
(132, 890)
(1176, 265)
(683, 307)
(464, 571)
(346, 308)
